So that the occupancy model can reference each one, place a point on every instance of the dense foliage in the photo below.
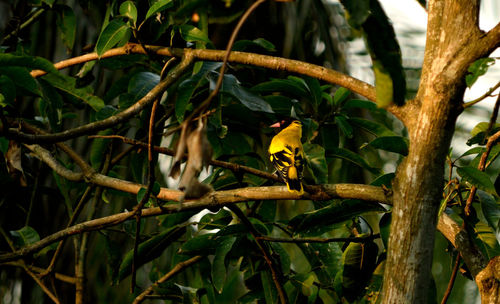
(262, 250)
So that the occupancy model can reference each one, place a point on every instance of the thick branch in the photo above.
(270, 62)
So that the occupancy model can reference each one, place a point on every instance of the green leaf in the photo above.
(385, 227)
(215, 221)
(242, 45)
(372, 127)
(340, 96)
(129, 10)
(66, 23)
(114, 32)
(360, 104)
(140, 194)
(344, 126)
(315, 155)
(281, 85)
(201, 244)
(52, 104)
(30, 62)
(490, 208)
(477, 178)
(141, 83)
(270, 292)
(218, 265)
(191, 33)
(477, 69)
(486, 240)
(150, 250)
(232, 86)
(67, 85)
(383, 47)
(8, 90)
(315, 91)
(156, 189)
(358, 261)
(25, 236)
(336, 212)
(472, 151)
(396, 144)
(158, 6)
(352, 157)
(21, 78)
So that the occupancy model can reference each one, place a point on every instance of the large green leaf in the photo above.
(232, 86)
(158, 6)
(396, 144)
(352, 157)
(343, 124)
(218, 264)
(8, 91)
(369, 17)
(25, 236)
(129, 10)
(67, 85)
(282, 85)
(477, 69)
(334, 213)
(486, 240)
(30, 62)
(490, 208)
(141, 83)
(372, 127)
(315, 155)
(150, 250)
(66, 22)
(202, 244)
(191, 33)
(358, 262)
(477, 178)
(21, 78)
(218, 220)
(112, 34)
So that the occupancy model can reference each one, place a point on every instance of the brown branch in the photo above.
(274, 63)
(215, 199)
(454, 272)
(39, 271)
(237, 168)
(487, 94)
(320, 240)
(482, 166)
(125, 115)
(178, 268)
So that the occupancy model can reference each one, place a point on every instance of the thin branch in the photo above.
(204, 105)
(485, 95)
(237, 168)
(178, 268)
(216, 199)
(482, 166)
(454, 272)
(30, 20)
(125, 115)
(42, 286)
(274, 63)
(321, 240)
(39, 271)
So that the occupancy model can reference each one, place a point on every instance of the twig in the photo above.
(125, 115)
(33, 18)
(42, 286)
(321, 240)
(178, 268)
(447, 293)
(482, 166)
(218, 163)
(275, 271)
(204, 105)
(145, 198)
(38, 270)
(275, 63)
(487, 94)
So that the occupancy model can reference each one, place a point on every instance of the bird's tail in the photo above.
(293, 182)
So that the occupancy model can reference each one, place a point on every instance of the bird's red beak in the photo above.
(275, 125)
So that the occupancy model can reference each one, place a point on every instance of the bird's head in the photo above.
(282, 124)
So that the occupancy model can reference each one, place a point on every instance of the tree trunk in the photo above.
(453, 42)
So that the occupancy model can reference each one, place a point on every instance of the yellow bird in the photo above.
(287, 155)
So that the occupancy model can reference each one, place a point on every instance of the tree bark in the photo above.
(454, 41)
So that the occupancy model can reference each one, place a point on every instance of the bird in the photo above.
(287, 154)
